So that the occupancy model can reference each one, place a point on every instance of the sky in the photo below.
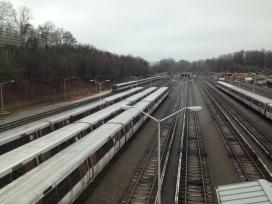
(157, 29)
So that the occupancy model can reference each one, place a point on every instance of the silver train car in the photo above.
(17, 162)
(259, 103)
(131, 84)
(62, 178)
(19, 136)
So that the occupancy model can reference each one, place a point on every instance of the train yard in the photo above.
(98, 151)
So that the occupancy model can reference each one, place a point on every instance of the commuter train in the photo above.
(131, 84)
(19, 136)
(63, 177)
(17, 162)
(259, 103)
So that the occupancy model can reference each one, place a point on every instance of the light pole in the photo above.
(158, 121)
(1, 93)
(95, 80)
(135, 80)
(254, 80)
(100, 84)
(64, 86)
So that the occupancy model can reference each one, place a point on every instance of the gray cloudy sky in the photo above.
(156, 29)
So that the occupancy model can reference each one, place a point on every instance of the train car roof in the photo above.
(151, 97)
(115, 96)
(247, 93)
(136, 96)
(27, 152)
(71, 113)
(137, 81)
(95, 117)
(67, 114)
(17, 132)
(125, 117)
(125, 83)
(30, 186)
(259, 191)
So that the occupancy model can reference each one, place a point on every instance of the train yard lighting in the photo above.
(158, 121)
(64, 86)
(96, 80)
(100, 84)
(135, 80)
(1, 93)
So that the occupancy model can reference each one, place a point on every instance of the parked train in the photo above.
(63, 177)
(17, 162)
(19, 136)
(259, 103)
(131, 84)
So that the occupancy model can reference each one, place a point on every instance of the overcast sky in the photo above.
(156, 29)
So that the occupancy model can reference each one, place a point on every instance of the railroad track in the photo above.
(143, 187)
(89, 190)
(248, 165)
(193, 184)
(39, 116)
(23, 121)
(261, 138)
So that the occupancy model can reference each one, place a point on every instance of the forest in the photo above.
(40, 58)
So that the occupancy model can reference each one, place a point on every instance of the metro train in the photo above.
(62, 178)
(19, 136)
(17, 162)
(131, 84)
(259, 103)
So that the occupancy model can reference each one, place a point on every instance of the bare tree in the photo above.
(6, 14)
(57, 37)
(45, 33)
(23, 23)
(69, 39)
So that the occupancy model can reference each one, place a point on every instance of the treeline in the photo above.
(47, 54)
(259, 61)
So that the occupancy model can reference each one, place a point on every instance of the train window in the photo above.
(30, 165)
(63, 188)
(70, 141)
(123, 132)
(45, 156)
(50, 197)
(46, 130)
(54, 151)
(5, 180)
(74, 177)
(83, 169)
(6, 147)
(137, 118)
(92, 159)
(104, 149)
(127, 128)
(18, 171)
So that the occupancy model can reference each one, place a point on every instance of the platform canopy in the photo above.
(259, 191)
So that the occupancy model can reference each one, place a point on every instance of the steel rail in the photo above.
(240, 149)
